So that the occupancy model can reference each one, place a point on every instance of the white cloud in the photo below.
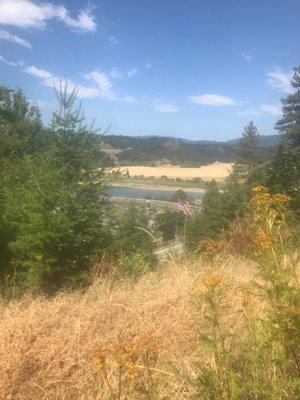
(114, 41)
(132, 72)
(272, 109)
(11, 63)
(280, 80)
(4, 35)
(49, 79)
(103, 84)
(31, 14)
(212, 100)
(250, 111)
(147, 64)
(101, 87)
(246, 56)
(165, 107)
(39, 73)
(115, 73)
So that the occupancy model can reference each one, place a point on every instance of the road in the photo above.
(165, 253)
(160, 203)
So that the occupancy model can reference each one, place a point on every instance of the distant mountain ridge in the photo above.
(265, 141)
(157, 149)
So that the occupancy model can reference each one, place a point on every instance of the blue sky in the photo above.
(199, 69)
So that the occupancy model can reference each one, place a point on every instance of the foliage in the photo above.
(133, 242)
(219, 209)
(132, 361)
(284, 169)
(179, 196)
(52, 212)
(169, 223)
(284, 174)
(248, 153)
(271, 340)
(289, 125)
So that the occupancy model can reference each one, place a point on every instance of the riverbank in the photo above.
(153, 186)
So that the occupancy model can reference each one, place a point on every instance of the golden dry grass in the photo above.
(216, 171)
(47, 345)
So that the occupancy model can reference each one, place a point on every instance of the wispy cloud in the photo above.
(114, 41)
(11, 63)
(38, 72)
(4, 35)
(280, 80)
(272, 109)
(165, 107)
(49, 79)
(103, 84)
(147, 64)
(249, 112)
(115, 73)
(132, 72)
(209, 99)
(246, 56)
(35, 14)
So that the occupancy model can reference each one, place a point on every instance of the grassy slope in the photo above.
(47, 345)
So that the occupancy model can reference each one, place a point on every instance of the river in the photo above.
(155, 194)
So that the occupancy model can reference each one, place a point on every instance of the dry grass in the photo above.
(216, 171)
(47, 345)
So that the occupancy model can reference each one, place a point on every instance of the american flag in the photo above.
(184, 209)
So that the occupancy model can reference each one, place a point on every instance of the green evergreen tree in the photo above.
(289, 125)
(212, 219)
(284, 169)
(169, 223)
(248, 153)
(179, 196)
(53, 202)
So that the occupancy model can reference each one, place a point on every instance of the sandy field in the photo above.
(216, 171)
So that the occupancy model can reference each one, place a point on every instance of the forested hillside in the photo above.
(148, 150)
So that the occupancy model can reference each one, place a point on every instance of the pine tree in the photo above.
(248, 154)
(289, 125)
(53, 201)
(284, 169)
(212, 219)
(169, 223)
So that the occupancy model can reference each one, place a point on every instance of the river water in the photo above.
(155, 194)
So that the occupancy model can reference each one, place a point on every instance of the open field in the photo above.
(217, 171)
(48, 346)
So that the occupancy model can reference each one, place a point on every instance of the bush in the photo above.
(264, 362)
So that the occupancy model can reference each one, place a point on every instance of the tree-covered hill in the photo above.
(153, 149)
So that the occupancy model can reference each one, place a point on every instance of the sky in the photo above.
(197, 69)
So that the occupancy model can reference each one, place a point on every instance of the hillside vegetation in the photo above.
(153, 149)
(195, 329)
(50, 348)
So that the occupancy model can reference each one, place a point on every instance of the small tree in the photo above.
(58, 206)
(209, 223)
(248, 151)
(179, 196)
(169, 223)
